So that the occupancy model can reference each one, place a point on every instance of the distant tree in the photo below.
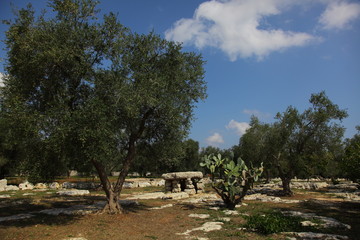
(254, 146)
(351, 161)
(86, 93)
(191, 158)
(298, 141)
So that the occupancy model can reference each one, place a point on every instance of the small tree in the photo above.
(229, 179)
(351, 161)
(299, 141)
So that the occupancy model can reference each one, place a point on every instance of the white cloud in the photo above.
(338, 14)
(240, 127)
(234, 27)
(215, 139)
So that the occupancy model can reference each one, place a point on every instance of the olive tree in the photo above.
(87, 92)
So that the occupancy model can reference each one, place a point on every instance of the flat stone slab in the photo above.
(162, 207)
(201, 216)
(73, 192)
(182, 175)
(319, 236)
(16, 217)
(206, 227)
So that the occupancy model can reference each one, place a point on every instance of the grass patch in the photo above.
(273, 222)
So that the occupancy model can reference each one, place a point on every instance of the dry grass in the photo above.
(140, 222)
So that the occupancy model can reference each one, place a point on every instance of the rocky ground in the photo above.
(199, 216)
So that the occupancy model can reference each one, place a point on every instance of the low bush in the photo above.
(273, 222)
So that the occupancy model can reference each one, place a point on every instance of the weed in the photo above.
(273, 222)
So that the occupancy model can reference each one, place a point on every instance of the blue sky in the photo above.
(262, 55)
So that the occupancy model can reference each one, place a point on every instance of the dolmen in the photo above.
(189, 182)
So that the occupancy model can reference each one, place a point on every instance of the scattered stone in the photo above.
(155, 195)
(320, 236)
(231, 212)
(224, 219)
(54, 185)
(162, 207)
(5, 196)
(214, 208)
(16, 217)
(40, 186)
(144, 184)
(74, 192)
(3, 183)
(11, 188)
(206, 227)
(175, 196)
(28, 194)
(266, 198)
(201, 216)
(26, 186)
(326, 222)
(76, 238)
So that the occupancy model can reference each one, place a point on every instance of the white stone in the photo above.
(179, 195)
(40, 186)
(144, 184)
(206, 227)
(76, 238)
(231, 212)
(54, 185)
(311, 235)
(26, 186)
(162, 207)
(3, 183)
(182, 175)
(74, 192)
(5, 196)
(11, 188)
(201, 216)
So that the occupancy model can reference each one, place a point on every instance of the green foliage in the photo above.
(351, 161)
(83, 92)
(229, 179)
(298, 144)
(274, 222)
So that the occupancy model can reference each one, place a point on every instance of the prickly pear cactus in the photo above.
(229, 179)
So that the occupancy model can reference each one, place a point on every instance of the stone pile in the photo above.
(189, 182)
(5, 187)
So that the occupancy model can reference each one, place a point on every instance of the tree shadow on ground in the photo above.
(345, 212)
(28, 206)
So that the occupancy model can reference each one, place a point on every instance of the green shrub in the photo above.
(230, 180)
(274, 222)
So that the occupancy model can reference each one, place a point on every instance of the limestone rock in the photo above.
(54, 185)
(320, 236)
(40, 186)
(181, 175)
(11, 188)
(68, 185)
(26, 186)
(74, 192)
(3, 183)
(201, 216)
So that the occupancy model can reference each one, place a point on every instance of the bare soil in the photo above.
(141, 222)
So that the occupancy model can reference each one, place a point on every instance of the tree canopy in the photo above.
(298, 144)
